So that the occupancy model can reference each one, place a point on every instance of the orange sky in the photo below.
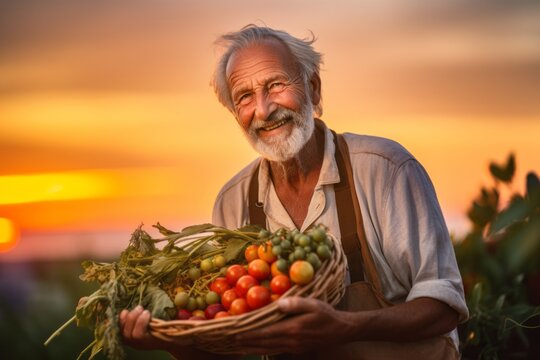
(106, 107)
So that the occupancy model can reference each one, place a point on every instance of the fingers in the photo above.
(133, 322)
(297, 305)
(141, 325)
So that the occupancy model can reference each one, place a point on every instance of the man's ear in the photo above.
(315, 88)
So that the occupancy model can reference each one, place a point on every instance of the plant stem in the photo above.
(60, 329)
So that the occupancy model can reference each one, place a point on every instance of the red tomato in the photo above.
(274, 297)
(239, 306)
(234, 272)
(244, 283)
(183, 314)
(280, 284)
(301, 272)
(259, 269)
(228, 297)
(257, 297)
(220, 285)
(251, 253)
(265, 253)
(211, 311)
(221, 314)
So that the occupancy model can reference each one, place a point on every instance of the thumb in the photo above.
(297, 305)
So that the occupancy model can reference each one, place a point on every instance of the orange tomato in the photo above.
(251, 253)
(239, 306)
(301, 272)
(274, 269)
(265, 252)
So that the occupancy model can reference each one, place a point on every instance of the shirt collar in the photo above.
(329, 171)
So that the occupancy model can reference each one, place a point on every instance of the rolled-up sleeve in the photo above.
(415, 239)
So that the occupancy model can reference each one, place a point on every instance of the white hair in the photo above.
(307, 59)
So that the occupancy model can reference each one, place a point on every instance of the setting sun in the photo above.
(8, 235)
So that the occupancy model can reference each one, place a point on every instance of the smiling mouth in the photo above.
(276, 125)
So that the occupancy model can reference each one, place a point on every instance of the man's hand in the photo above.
(134, 329)
(313, 325)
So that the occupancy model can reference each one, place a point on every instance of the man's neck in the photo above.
(304, 168)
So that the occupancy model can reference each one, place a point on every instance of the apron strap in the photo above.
(355, 217)
(256, 213)
(347, 217)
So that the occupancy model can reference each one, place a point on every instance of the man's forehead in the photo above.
(264, 50)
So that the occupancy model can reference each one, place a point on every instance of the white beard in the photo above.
(283, 147)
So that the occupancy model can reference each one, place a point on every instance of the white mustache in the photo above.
(278, 115)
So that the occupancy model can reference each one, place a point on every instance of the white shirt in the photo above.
(404, 225)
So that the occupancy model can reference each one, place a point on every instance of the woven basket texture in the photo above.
(215, 335)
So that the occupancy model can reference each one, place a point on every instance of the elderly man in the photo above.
(270, 82)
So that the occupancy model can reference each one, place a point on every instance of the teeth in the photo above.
(275, 126)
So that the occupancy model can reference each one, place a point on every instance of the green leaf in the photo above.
(163, 230)
(505, 172)
(476, 296)
(518, 210)
(234, 248)
(250, 228)
(195, 229)
(158, 302)
(499, 304)
(167, 264)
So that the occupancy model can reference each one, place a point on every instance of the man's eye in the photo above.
(277, 86)
(244, 98)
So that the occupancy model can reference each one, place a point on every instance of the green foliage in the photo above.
(499, 262)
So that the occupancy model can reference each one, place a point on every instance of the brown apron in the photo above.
(362, 294)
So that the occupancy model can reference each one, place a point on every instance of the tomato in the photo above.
(181, 299)
(244, 283)
(275, 268)
(194, 273)
(207, 265)
(251, 253)
(219, 261)
(228, 297)
(198, 313)
(239, 306)
(257, 297)
(220, 285)
(234, 272)
(280, 284)
(265, 252)
(212, 310)
(221, 314)
(301, 272)
(211, 297)
(183, 314)
(259, 269)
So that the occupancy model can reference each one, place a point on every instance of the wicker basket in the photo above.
(215, 335)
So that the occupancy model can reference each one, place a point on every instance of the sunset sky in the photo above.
(107, 119)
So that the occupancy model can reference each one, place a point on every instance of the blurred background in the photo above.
(107, 120)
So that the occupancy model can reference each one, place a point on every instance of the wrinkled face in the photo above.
(271, 103)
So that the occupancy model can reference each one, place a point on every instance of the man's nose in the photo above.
(264, 106)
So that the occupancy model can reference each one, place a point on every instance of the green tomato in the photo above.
(212, 297)
(324, 252)
(194, 273)
(219, 261)
(207, 265)
(181, 300)
(201, 303)
(192, 304)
